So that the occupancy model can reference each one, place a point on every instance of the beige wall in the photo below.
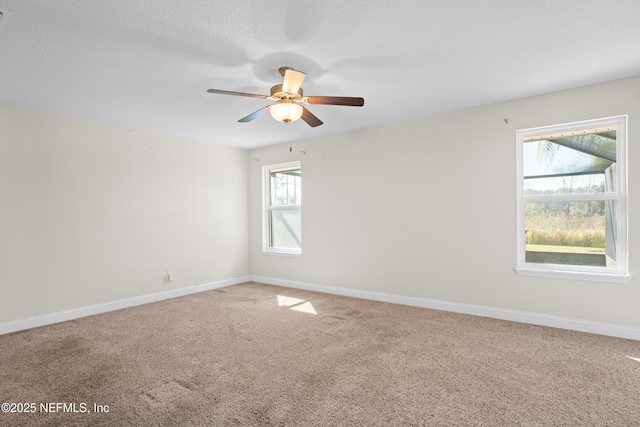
(427, 208)
(93, 212)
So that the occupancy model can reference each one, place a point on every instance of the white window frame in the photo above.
(267, 249)
(617, 274)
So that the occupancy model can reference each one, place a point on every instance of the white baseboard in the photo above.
(63, 316)
(614, 330)
(609, 329)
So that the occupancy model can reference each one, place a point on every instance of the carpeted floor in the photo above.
(255, 354)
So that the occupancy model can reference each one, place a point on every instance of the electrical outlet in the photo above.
(170, 275)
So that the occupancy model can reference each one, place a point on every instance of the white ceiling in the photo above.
(148, 63)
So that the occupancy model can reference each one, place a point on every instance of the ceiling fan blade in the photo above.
(292, 80)
(255, 114)
(335, 100)
(229, 92)
(308, 117)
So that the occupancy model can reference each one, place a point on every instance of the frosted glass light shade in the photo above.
(286, 112)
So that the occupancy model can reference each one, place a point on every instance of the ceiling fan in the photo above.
(288, 97)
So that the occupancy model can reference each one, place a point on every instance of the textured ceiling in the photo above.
(148, 63)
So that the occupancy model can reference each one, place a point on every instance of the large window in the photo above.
(572, 214)
(282, 196)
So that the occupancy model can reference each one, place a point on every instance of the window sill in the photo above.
(574, 275)
(282, 253)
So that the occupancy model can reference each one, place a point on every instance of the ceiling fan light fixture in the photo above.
(287, 96)
(286, 112)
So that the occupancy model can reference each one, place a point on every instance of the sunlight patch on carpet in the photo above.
(296, 304)
(288, 301)
(305, 308)
(637, 359)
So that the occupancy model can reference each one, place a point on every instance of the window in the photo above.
(282, 209)
(572, 210)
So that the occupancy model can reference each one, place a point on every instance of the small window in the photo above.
(282, 197)
(572, 200)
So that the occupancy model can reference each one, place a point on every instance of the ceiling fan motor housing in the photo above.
(277, 94)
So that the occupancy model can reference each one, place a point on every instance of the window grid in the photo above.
(607, 166)
(282, 209)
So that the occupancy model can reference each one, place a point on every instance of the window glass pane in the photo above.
(285, 187)
(565, 163)
(572, 184)
(576, 233)
(285, 228)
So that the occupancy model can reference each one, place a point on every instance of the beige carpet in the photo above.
(242, 355)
